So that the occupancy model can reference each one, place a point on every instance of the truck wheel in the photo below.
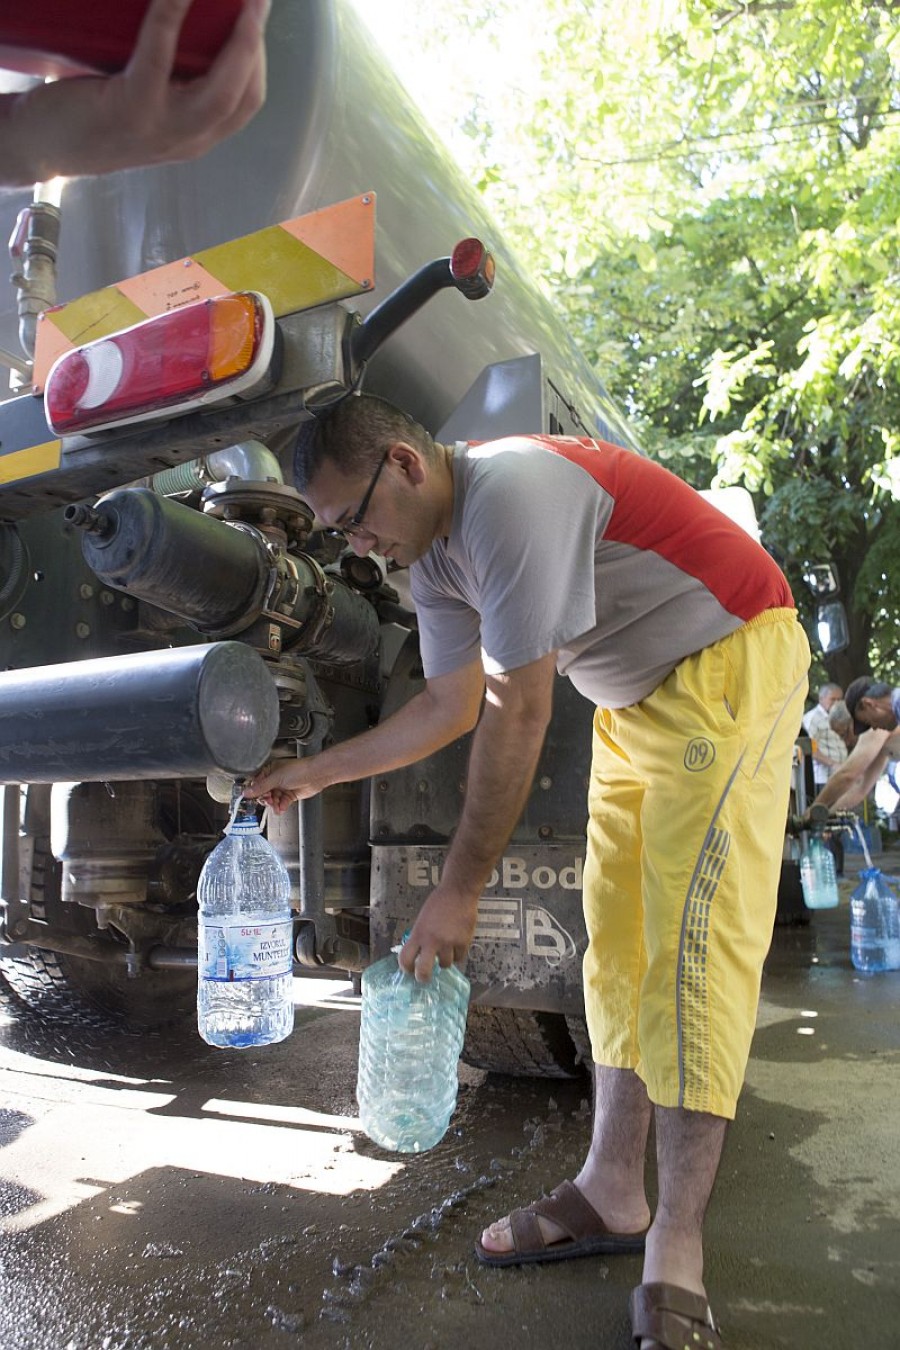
(578, 1030)
(521, 1043)
(38, 983)
(7, 993)
(71, 991)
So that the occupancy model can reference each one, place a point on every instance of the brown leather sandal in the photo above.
(586, 1233)
(673, 1318)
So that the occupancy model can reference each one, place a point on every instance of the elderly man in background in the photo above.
(832, 747)
(815, 724)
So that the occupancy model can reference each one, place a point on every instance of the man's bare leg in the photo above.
(612, 1178)
(688, 1149)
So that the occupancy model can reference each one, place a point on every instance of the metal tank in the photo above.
(98, 877)
(336, 122)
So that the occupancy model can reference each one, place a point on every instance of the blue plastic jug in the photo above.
(244, 938)
(410, 1041)
(874, 924)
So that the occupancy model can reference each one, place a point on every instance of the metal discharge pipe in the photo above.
(10, 874)
(33, 249)
(179, 713)
(250, 460)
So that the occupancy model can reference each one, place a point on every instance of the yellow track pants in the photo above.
(688, 801)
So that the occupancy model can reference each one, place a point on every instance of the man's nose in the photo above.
(362, 544)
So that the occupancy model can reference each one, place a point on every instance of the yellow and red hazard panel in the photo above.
(325, 256)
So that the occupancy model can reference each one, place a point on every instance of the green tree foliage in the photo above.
(712, 190)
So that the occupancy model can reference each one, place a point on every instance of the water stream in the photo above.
(862, 842)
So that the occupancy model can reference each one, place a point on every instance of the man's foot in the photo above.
(666, 1317)
(558, 1227)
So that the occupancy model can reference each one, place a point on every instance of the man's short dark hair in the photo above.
(353, 436)
(864, 686)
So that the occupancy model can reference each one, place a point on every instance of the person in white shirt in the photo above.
(815, 723)
(831, 747)
(832, 741)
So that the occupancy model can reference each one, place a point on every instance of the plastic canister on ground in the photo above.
(874, 923)
(410, 1041)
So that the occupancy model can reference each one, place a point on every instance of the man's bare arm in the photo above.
(446, 708)
(853, 781)
(504, 756)
(95, 124)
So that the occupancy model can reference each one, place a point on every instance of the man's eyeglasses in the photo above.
(353, 525)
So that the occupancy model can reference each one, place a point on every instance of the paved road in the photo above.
(156, 1194)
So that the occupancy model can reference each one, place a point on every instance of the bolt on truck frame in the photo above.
(170, 614)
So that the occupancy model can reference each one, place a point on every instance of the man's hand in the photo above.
(442, 932)
(286, 781)
(502, 761)
(96, 124)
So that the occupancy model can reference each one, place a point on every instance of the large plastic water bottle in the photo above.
(874, 923)
(817, 876)
(409, 1046)
(244, 939)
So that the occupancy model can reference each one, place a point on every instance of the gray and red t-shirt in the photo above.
(591, 551)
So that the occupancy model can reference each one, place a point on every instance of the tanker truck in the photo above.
(171, 615)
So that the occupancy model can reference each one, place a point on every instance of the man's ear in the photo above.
(410, 460)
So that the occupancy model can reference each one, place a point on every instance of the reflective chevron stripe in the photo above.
(325, 256)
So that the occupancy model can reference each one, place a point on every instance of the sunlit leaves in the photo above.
(710, 189)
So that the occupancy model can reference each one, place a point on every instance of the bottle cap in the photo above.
(245, 826)
(243, 818)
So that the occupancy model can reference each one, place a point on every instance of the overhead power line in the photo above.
(747, 139)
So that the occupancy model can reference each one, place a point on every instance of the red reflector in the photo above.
(202, 353)
(466, 258)
(472, 268)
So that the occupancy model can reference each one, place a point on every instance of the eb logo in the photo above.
(699, 754)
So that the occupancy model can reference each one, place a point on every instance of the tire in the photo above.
(7, 993)
(71, 991)
(578, 1030)
(520, 1043)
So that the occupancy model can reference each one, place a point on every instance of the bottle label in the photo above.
(242, 949)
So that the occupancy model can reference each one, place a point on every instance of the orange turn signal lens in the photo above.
(232, 336)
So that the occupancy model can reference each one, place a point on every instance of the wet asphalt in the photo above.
(156, 1194)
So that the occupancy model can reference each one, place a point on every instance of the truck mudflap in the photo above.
(530, 937)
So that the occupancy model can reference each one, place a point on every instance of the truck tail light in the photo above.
(206, 352)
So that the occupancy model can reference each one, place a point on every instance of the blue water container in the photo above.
(244, 938)
(874, 924)
(410, 1041)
